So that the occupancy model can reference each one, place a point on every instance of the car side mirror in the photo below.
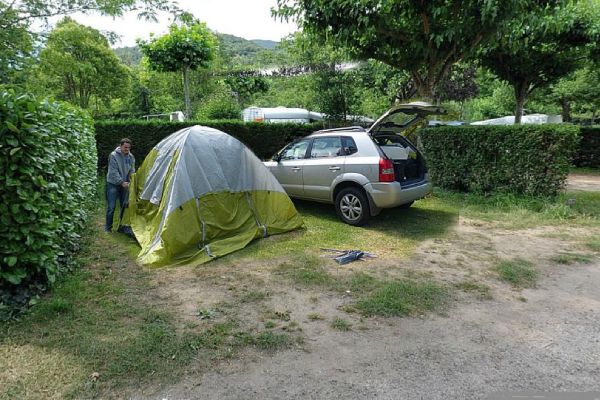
(277, 157)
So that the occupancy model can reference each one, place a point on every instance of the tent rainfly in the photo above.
(201, 194)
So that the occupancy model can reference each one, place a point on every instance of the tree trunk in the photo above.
(520, 97)
(424, 86)
(426, 92)
(566, 110)
(186, 92)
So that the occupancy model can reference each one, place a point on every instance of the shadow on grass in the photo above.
(394, 232)
(426, 219)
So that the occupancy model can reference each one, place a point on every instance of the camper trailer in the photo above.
(280, 115)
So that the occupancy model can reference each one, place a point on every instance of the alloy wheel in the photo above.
(351, 207)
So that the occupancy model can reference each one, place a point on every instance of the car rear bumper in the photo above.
(392, 194)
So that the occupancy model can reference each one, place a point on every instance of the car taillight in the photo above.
(386, 170)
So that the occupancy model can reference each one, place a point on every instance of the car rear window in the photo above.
(349, 145)
(330, 146)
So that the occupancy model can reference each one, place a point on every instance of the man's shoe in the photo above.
(126, 230)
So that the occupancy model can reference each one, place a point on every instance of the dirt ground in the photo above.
(543, 339)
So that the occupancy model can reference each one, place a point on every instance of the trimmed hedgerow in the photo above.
(520, 159)
(588, 154)
(264, 139)
(47, 185)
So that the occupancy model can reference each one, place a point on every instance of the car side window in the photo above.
(330, 146)
(295, 151)
(349, 145)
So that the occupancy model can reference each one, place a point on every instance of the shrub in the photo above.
(47, 185)
(219, 105)
(520, 159)
(588, 154)
(264, 139)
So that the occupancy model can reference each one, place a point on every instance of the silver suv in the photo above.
(360, 171)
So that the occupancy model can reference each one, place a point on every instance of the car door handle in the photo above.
(334, 168)
(296, 168)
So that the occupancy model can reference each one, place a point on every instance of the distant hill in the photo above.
(236, 49)
(239, 48)
(267, 44)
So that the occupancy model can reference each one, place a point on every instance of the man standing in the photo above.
(121, 164)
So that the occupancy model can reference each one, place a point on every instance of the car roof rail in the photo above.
(348, 128)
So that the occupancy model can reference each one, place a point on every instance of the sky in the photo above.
(250, 19)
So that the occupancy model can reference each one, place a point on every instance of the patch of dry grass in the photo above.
(35, 372)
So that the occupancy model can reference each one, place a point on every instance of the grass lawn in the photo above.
(105, 329)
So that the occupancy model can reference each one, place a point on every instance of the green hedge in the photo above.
(48, 181)
(521, 159)
(264, 139)
(588, 154)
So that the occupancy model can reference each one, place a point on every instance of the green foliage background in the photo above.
(264, 139)
(47, 186)
(520, 159)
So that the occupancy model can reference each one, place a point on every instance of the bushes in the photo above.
(521, 159)
(47, 184)
(527, 159)
(264, 139)
(588, 154)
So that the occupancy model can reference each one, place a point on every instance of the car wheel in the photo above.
(352, 206)
(406, 205)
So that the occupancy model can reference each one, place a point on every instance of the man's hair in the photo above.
(125, 140)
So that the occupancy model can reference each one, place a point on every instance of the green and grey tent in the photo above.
(201, 194)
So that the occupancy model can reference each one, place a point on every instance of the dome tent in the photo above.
(201, 194)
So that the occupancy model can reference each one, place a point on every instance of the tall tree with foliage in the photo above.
(31, 10)
(246, 87)
(539, 48)
(15, 44)
(393, 84)
(185, 48)
(18, 16)
(579, 92)
(423, 37)
(335, 87)
(459, 86)
(79, 65)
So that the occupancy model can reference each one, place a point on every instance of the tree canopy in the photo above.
(423, 37)
(183, 49)
(79, 65)
(29, 10)
(18, 16)
(539, 48)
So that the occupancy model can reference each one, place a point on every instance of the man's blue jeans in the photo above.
(114, 192)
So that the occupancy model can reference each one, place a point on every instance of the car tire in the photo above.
(352, 206)
(406, 205)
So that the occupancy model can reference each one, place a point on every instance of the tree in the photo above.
(423, 37)
(79, 64)
(334, 85)
(17, 17)
(459, 86)
(538, 49)
(246, 87)
(12, 11)
(15, 45)
(579, 91)
(184, 48)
